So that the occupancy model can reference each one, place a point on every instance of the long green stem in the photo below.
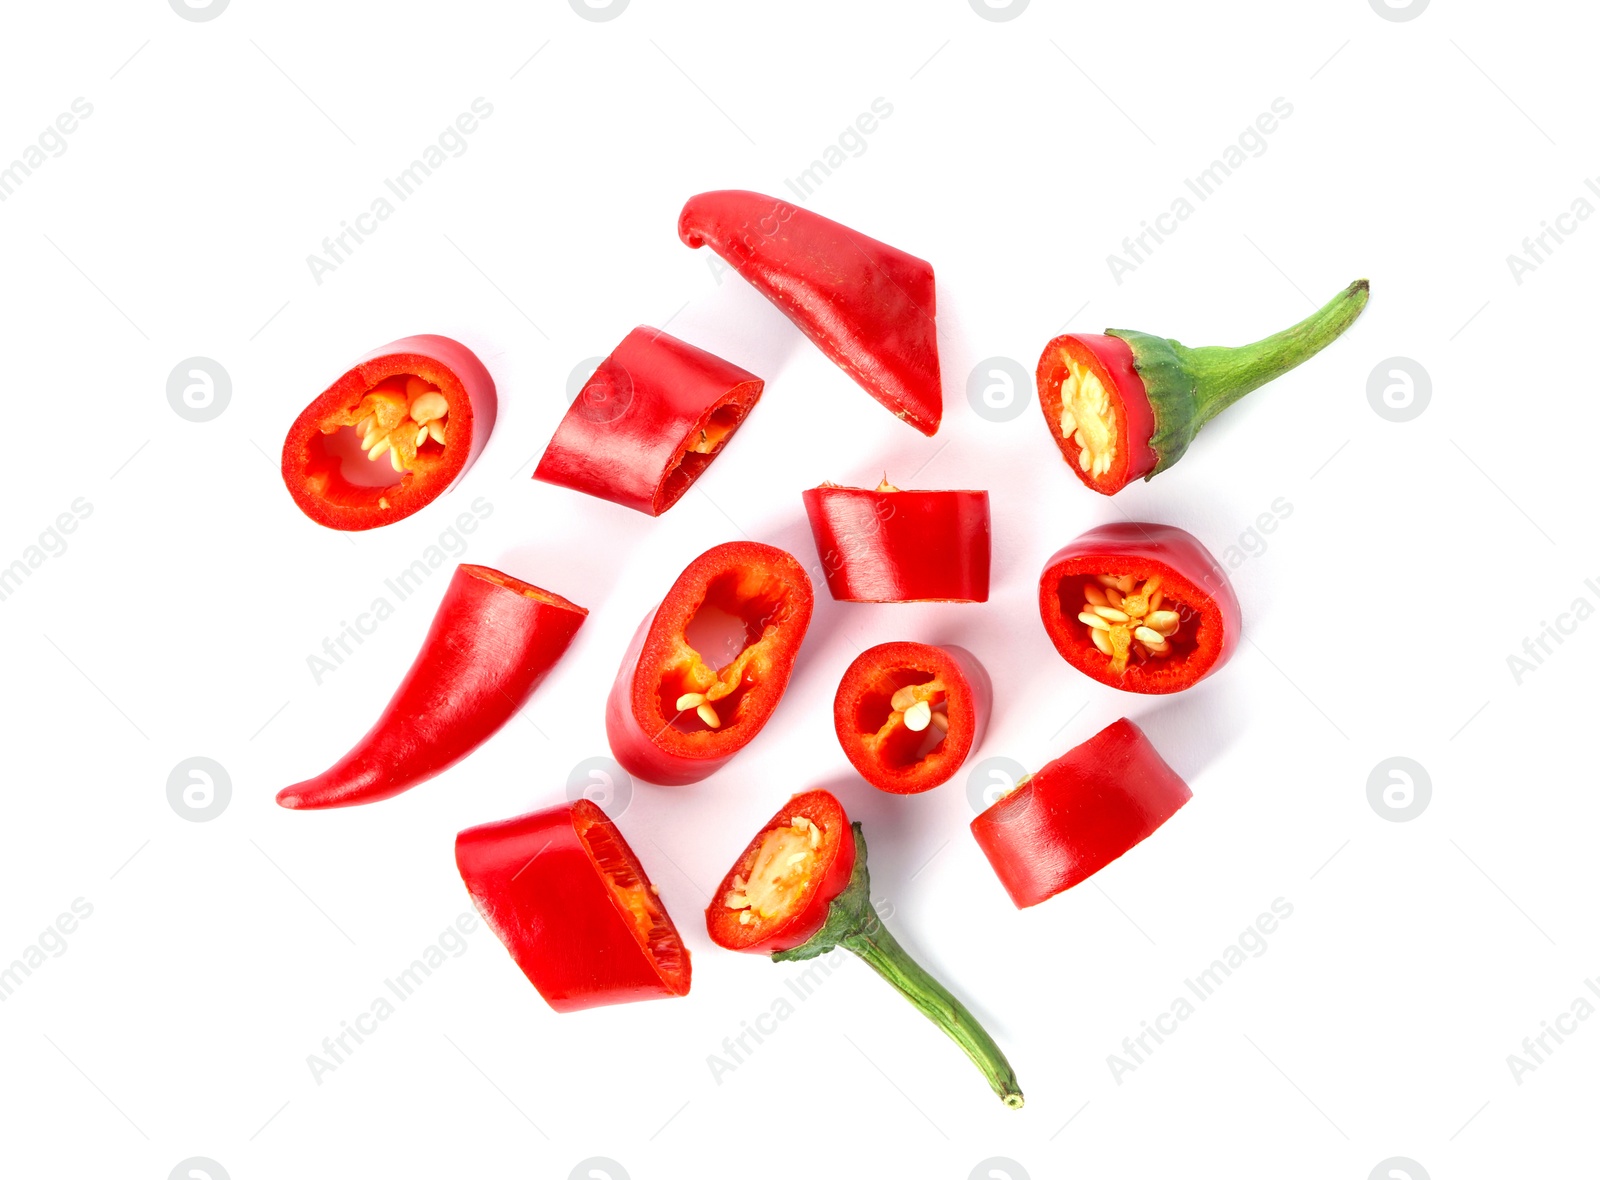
(1223, 375)
(853, 924)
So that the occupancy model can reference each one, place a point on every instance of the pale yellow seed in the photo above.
(1148, 637)
(918, 716)
(379, 447)
(1084, 459)
(1109, 581)
(1114, 598)
(735, 901)
(1126, 583)
(709, 716)
(394, 460)
(436, 430)
(1111, 613)
(1096, 596)
(422, 435)
(744, 917)
(691, 700)
(1101, 640)
(1094, 621)
(429, 407)
(904, 699)
(1163, 621)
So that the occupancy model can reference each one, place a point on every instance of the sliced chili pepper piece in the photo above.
(649, 422)
(1066, 822)
(571, 902)
(677, 714)
(908, 714)
(888, 545)
(1140, 607)
(492, 641)
(868, 306)
(422, 407)
(1127, 404)
(801, 889)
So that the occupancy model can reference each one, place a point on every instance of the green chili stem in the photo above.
(1223, 375)
(853, 924)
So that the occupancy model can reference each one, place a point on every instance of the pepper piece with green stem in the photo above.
(801, 888)
(1127, 404)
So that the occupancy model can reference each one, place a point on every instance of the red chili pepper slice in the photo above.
(908, 714)
(776, 896)
(1140, 607)
(1066, 822)
(1127, 404)
(426, 403)
(801, 889)
(868, 306)
(492, 641)
(649, 422)
(888, 545)
(571, 902)
(677, 714)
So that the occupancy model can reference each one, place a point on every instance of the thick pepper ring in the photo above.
(424, 405)
(571, 902)
(1140, 607)
(1066, 822)
(888, 545)
(908, 714)
(649, 422)
(676, 714)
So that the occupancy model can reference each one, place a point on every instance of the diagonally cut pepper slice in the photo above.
(888, 545)
(649, 422)
(571, 902)
(1066, 822)
(908, 714)
(1140, 607)
(677, 714)
(422, 407)
(868, 306)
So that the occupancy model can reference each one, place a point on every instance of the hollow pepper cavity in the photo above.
(801, 888)
(492, 641)
(888, 545)
(649, 422)
(421, 409)
(1126, 404)
(1140, 607)
(908, 714)
(868, 306)
(568, 898)
(1066, 822)
(676, 714)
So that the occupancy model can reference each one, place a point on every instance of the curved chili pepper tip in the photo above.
(868, 306)
(492, 641)
(1126, 405)
(422, 406)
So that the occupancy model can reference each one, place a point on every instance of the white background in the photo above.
(1379, 616)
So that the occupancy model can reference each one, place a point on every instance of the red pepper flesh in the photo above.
(567, 897)
(908, 714)
(1068, 821)
(867, 305)
(492, 641)
(776, 895)
(675, 714)
(422, 406)
(1140, 607)
(801, 888)
(1127, 404)
(888, 545)
(649, 422)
